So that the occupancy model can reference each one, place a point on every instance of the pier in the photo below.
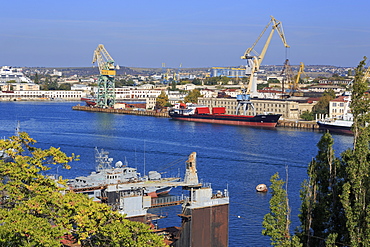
(298, 124)
(282, 123)
(121, 111)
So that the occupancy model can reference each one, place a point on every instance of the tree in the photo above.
(277, 222)
(329, 92)
(356, 189)
(322, 107)
(196, 81)
(192, 96)
(273, 80)
(36, 210)
(173, 85)
(36, 79)
(161, 100)
(65, 86)
(307, 115)
(322, 215)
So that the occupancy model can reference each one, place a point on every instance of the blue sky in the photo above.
(145, 33)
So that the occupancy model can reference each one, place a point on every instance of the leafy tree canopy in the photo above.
(192, 96)
(161, 101)
(37, 211)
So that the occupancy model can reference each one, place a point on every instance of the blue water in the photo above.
(237, 158)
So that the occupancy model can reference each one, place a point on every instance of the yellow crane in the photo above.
(295, 87)
(106, 96)
(254, 62)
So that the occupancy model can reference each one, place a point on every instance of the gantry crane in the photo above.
(254, 62)
(106, 96)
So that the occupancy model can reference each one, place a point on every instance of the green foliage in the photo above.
(329, 92)
(192, 96)
(36, 78)
(262, 86)
(197, 81)
(161, 101)
(307, 115)
(356, 190)
(65, 86)
(273, 80)
(122, 82)
(37, 211)
(336, 197)
(276, 223)
(322, 107)
(173, 85)
(321, 211)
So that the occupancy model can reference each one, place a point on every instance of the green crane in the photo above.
(106, 96)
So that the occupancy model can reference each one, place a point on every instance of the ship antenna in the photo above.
(18, 128)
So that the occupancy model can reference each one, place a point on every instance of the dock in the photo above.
(121, 111)
(312, 125)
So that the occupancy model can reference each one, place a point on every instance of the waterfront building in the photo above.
(41, 95)
(339, 106)
(290, 109)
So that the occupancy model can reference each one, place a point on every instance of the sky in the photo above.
(192, 33)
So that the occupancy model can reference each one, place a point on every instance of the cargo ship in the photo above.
(198, 113)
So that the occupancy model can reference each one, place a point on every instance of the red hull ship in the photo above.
(197, 113)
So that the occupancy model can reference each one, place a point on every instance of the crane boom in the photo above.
(300, 71)
(104, 60)
(106, 96)
(254, 62)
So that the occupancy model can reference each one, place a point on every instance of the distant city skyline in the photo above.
(191, 33)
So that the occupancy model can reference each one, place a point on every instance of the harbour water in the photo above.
(233, 157)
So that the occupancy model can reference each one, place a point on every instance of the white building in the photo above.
(38, 95)
(339, 106)
(8, 73)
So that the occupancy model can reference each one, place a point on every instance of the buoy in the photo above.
(261, 188)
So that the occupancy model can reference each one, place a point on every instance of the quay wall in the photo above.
(298, 124)
(121, 111)
(282, 123)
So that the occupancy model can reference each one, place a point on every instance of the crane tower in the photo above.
(106, 96)
(254, 62)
